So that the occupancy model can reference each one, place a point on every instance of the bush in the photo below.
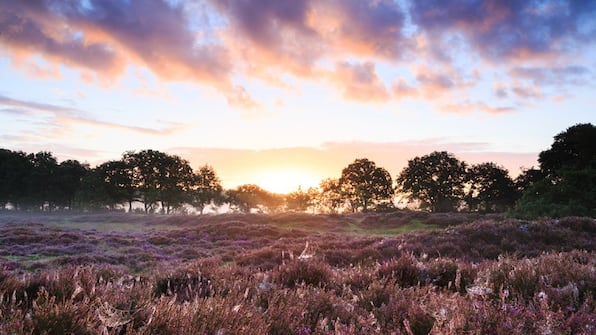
(403, 270)
(303, 272)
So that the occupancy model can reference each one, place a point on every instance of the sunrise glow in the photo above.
(286, 181)
(286, 93)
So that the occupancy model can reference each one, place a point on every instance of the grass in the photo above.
(401, 273)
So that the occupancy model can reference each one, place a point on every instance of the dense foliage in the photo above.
(437, 180)
(364, 185)
(566, 182)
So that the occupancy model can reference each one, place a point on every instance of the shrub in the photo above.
(50, 317)
(404, 270)
(442, 273)
(185, 286)
(303, 272)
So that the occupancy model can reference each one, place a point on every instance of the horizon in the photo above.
(285, 94)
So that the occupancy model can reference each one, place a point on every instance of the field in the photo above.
(390, 273)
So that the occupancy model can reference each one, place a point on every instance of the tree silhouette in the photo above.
(571, 193)
(568, 169)
(41, 186)
(363, 184)
(527, 178)
(206, 188)
(15, 168)
(118, 181)
(490, 189)
(436, 180)
(247, 197)
(67, 181)
(92, 193)
(330, 197)
(160, 178)
(299, 200)
(574, 148)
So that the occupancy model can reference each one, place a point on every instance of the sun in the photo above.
(284, 181)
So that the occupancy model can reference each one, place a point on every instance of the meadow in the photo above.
(405, 272)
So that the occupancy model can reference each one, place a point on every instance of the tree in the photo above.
(145, 171)
(206, 188)
(175, 182)
(118, 181)
(527, 178)
(41, 186)
(363, 184)
(568, 171)
(574, 148)
(490, 189)
(15, 168)
(437, 180)
(159, 178)
(330, 197)
(247, 197)
(299, 200)
(571, 193)
(92, 193)
(67, 181)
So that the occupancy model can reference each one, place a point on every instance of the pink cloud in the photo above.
(471, 107)
(61, 117)
(360, 82)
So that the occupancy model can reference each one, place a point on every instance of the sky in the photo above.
(286, 93)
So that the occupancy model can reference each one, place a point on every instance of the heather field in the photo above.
(379, 273)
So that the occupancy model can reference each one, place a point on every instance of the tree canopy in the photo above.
(489, 189)
(574, 148)
(437, 180)
(363, 185)
(206, 188)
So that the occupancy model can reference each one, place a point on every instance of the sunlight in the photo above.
(286, 180)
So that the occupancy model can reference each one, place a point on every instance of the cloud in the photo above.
(68, 116)
(471, 107)
(526, 92)
(401, 89)
(500, 90)
(32, 105)
(30, 28)
(434, 83)
(304, 30)
(440, 80)
(510, 29)
(363, 28)
(103, 37)
(360, 82)
(225, 44)
(562, 75)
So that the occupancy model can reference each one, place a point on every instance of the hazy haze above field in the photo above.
(282, 93)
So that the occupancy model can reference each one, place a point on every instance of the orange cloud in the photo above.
(104, 39)
(221, 43)
(360, 82)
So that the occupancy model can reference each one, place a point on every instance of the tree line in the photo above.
(564, 184)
